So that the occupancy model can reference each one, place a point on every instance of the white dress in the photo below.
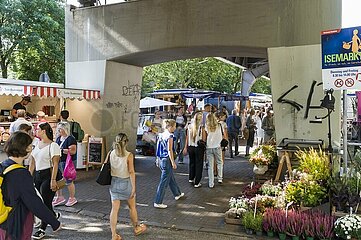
(259, 133)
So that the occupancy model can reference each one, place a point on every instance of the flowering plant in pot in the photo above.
(248, 222)
(237, 206)
(251, 190)
(323, 225)
(295, 224)
(348, 227)
(309, 227)
(279, 218)
(268, 222)
(270, 189)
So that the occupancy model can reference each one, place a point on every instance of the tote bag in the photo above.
(104, 176)
(69, 170)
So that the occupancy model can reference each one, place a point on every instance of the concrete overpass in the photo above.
(107, 46)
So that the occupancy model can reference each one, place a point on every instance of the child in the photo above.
(123, 184)
(165, 151)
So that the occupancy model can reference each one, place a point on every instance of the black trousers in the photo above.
(232, 136)
(196, 156)
(42, 184)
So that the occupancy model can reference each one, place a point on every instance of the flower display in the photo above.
(348, 227)
(268, 188)
(237, 206)
(259, 160)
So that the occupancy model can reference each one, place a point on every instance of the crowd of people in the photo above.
(205, 138)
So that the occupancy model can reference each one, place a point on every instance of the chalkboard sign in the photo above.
(96, 149)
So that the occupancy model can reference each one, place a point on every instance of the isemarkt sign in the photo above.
(341, 58)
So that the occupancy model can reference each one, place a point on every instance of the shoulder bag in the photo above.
(60, 181)
(200, 143)
(104, 177)
(224, 142)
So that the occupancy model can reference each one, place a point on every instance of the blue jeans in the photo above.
(214, 154)
(180, 134)
(166, 178)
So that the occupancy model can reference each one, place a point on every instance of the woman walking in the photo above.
(165, 152)
(46, 157)
(196, 152)
(122, 186)
(67, 144)
(259, 132)
(213, 137)
(19, 192)
(251, 126)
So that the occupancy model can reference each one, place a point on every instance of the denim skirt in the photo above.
(120, 188)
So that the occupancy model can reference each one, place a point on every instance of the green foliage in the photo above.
(262, 86)
(32, 37)
(307, 193)
(200, 73)
(251, 222)
(315, 163)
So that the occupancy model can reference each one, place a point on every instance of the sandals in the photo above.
(139, 229)
(117, 237)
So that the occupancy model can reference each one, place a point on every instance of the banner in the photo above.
(11, 90)
(341, 58)
(70, 93)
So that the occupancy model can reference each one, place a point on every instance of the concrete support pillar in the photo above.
(121, 97)
(300, 66)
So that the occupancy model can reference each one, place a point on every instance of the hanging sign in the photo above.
(11, 90)
(341, 58)
(70, 93)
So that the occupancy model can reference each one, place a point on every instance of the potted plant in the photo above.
(236, 208)
(295, 224)
(268, 222)
(270, 189)
(309, 227)
(257, 224)
(279, 218)
(251, 190)
(348, 227)
(260, 164)
(247, 221)
(323, 225)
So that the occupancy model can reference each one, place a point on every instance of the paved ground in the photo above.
(201, 213)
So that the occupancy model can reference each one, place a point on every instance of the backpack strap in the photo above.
(12, 167)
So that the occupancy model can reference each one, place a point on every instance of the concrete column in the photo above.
(121, 97)
(300, 66)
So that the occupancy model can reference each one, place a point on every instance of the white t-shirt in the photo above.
(119, 165)
(44, 155)
(190, 136)
(214, 138)
(14, 126)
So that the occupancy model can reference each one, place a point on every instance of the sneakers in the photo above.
(179, 197)
(71, 202)
(37, 224)
(38, 234)
(160, 205)
(191, 181)
(198, 185)
(220, 181)
(58, 201)
(57, 215)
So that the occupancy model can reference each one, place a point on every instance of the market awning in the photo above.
(79, 94)
(44, 92)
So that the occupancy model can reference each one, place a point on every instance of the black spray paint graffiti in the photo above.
(297, 105)
(131, 90)
(118, 105)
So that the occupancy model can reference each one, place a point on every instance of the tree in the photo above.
(262, 85)
(199, 73)
(32, 38)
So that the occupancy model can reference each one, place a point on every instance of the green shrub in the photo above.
(315, 163)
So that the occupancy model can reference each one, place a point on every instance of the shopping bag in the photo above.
(69, 170)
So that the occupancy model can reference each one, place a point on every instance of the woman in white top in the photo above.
(45, 158)
(123, 184)
(196, 153)
(213, 137)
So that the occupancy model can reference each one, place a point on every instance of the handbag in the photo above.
(224, 142)
(245, 133)
(201, 143)
(104, 176)
(60, 181)
(69, 169)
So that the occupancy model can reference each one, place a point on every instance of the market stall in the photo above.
(47, 97)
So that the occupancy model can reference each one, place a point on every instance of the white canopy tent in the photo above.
(149, 102)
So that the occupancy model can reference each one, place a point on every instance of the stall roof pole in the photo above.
(344, 129)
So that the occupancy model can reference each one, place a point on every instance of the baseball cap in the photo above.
(40, 114)
(27, 98)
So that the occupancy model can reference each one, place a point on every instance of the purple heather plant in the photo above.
(324, 225)
(309, 229)
(279, 218)
(268, 220)
(295, 223)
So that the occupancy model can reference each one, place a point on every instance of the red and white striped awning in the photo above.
(91, 94)
(45, 92)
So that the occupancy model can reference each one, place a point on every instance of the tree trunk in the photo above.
(4, 69)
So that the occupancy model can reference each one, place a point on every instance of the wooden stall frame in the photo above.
(95, 140)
